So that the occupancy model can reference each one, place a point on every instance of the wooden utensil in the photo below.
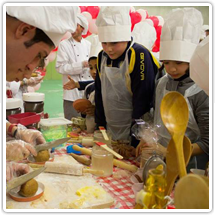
(104, 133)
(81, 159)
(117, 163)
(104, 146)
(70, 169)
(175, 116)
(171, 162)
(192, 192)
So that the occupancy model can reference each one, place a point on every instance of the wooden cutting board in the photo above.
(60, 192)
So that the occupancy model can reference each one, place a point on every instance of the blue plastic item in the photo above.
(69, 149)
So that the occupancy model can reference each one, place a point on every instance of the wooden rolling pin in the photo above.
(117, 163)
(85, 141)
(81, 159)
(70, 169)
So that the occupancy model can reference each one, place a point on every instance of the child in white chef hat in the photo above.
(125, 80)
(179, 39)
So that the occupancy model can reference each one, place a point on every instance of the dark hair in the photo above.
(161, 68)
(39, 36)
(92, 58)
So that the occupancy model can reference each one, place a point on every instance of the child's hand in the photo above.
(150, 148)
(140, 147)
(90, 110)
(70, 85)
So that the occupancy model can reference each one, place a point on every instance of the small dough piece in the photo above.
(29, 188)
(42, 156)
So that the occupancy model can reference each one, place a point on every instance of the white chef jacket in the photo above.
(16, 91)
(70, 56)
(14, 87)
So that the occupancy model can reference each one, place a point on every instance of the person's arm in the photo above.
(83, 84)
(14, 169)
(65, 60)
(14, 87)
(20, 132)
(17, 150)
(100, 118)
(80, 85)
(196, 149)
(10, 129)
(201, 113)
(142, 83)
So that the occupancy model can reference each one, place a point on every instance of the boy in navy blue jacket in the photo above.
(125, 80)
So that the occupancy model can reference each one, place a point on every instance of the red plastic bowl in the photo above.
(27, 118)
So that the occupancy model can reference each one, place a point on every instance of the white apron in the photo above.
(192, 129)
(117, 99)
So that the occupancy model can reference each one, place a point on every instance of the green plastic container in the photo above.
(54, 128)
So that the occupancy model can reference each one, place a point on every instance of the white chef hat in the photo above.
(114, 24)
(82, 20)
(96, 47)
(205, 27)
(54, 21)
(180, 34)
(199, 65)
(144, 34)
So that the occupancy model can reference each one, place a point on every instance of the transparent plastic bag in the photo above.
(148, 146)
(142, 130)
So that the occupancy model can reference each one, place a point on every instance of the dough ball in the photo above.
(29, 188)
(42, 156)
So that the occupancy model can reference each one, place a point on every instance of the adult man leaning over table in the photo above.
(32, 32)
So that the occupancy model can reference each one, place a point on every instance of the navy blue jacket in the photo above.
(143, 70)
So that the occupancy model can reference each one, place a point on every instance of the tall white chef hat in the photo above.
(96, 47)
(144, 34)
(180, 34)
(82, 20)
(205, 27)
(54, 21)
(114, 24)
(199, 65)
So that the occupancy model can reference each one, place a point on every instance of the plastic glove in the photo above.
(17, 150)
(32, 136)
(14, 169)
(150, 148)
(33, 81)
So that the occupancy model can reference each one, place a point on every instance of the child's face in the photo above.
(175, 69)
(114, 49)
(93, 67)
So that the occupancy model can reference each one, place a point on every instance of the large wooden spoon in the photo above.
(192, 192)
(175, 116)
(171, 162)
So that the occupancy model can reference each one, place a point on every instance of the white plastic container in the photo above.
(33, 97)
(13, 106)
(34, 102)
